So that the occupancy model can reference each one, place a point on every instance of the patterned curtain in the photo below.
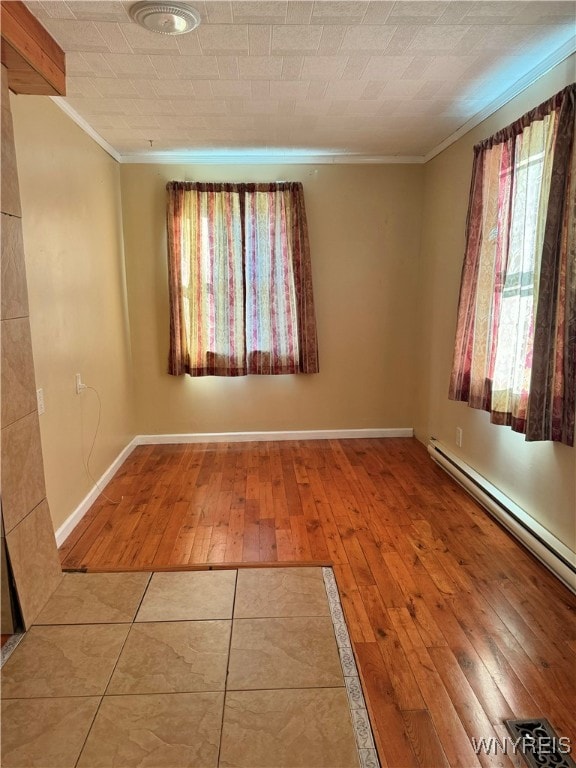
(240, 280)
(515, 351)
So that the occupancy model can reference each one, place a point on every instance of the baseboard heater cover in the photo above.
(555, 555)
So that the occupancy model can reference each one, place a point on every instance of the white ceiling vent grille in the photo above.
(165, 18)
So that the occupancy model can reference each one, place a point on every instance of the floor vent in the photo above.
(539, 744)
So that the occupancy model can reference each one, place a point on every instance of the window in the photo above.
(240, 280)
(515, 352)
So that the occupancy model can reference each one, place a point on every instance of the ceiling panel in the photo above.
(362, 78)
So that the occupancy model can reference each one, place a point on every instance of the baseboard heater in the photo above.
(555, 555)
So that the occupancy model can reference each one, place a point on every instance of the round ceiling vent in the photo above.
(165, 18)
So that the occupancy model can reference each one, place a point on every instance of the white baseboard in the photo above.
(212, 437)
(244, 437)
(553, 553)
(72, 521)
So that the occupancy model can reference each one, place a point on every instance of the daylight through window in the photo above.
(240, 280)
(515, 353)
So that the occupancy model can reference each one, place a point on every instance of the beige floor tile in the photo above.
(288, 729)
(188, 596)
(63, 661)
(296, 652)
(95, 598)
(175, 730)
(45, 733)
(173, 657)
(276, 592)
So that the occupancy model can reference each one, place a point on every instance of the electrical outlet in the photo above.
(40, 401)
(79, 385)
(459, 437)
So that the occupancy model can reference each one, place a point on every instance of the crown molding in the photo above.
(263, 158)
(560, 55)
(81, 123)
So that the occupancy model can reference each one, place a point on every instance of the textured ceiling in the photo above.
(361, 78)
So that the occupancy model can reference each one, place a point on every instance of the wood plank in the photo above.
(543, 653)
(81, 529)
(300, 540)
(185, 537)
(517, 696)
(334, 545)
(455, 741)
(389, 728)
(235, 540)
(266, 499)
(482, 683)
(267, 547)
(217, 546)
(388, 586)
(173, 522)
(251, 545)
(147, 535)
(201, 545)
(353, 606)
(406, 690)
(428, 629)
(291, 493)
(539, 681)
(424, 739)
(284, 546)
(468, 707)
(360, 568)
(114, 545)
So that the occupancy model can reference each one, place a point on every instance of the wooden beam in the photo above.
(35, 62)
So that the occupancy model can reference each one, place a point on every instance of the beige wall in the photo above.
(71, 208)
(540, 477)
(364, 225)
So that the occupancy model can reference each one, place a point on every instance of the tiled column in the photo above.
(25, 514)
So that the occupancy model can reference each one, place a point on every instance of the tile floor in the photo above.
(204, 669)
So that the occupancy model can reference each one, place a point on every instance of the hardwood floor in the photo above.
(455, 626)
